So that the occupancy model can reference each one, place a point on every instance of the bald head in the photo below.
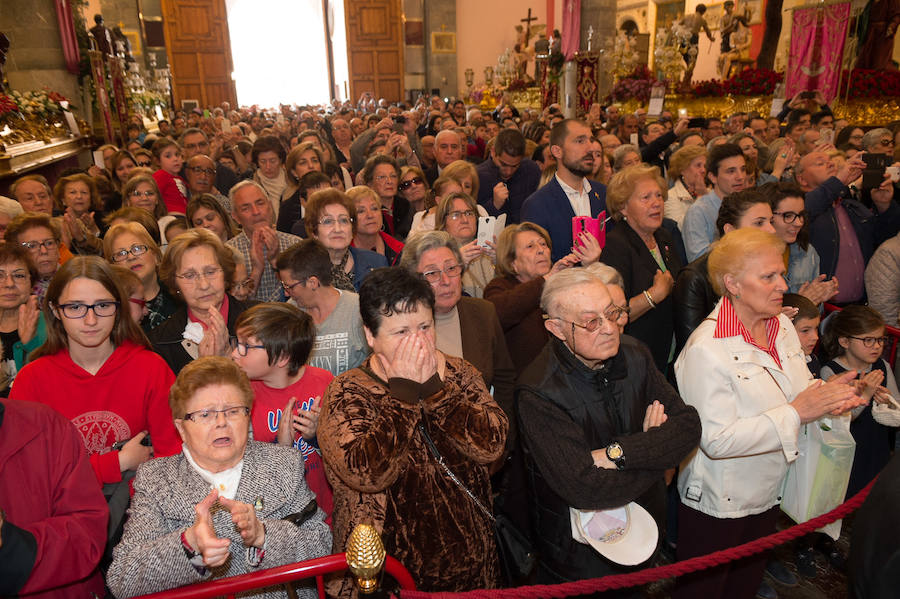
(447, 147)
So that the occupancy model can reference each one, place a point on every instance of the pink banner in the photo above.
(817, 47)
(571, 31)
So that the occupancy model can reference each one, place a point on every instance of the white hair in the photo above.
(557, 286)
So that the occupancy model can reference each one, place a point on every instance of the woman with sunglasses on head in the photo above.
(96, 369)
(130, 245)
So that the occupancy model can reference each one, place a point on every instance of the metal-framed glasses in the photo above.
(100, 309)
(434, 276)
(242, 347)
(192, 276)
(209, 416)
(17, 276)
(135, 250)
(329, 221)
(871, 341)
(47, 244)
(147, 194)
(458, 214)
(790, 217)
(199, 170)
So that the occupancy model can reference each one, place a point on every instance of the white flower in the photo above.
(193, 332)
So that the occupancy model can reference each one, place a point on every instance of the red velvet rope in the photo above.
(618, 581)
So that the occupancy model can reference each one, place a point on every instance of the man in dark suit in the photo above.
(569, 193)
(447, 149)
(508, 178)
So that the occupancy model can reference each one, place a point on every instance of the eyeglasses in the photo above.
(328, 221)
(383, 178)
(47, 244)
(193, 276)
(245, 284)
(289, 288)
(242, 347)
(871, 341)
(135, 250)
(199, 170)
(17, 277)
(790, 217)
(208, 416)
(410, 182)
(79, 310)
(434, 276)
(138, 301)
(886, 142)
(147, 194)
(591, 326)
(458, 214)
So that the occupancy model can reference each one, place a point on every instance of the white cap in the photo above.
(626, 535)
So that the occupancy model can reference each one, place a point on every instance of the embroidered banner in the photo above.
(817, 48)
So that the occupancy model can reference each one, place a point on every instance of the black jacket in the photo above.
(166, 338)
(694, 299)
(567, 410)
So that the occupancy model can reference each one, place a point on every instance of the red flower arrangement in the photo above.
(750, 82)
(636, 86)
(867, 83)
(7, 105)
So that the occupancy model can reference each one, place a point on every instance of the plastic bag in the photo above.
(817, 480)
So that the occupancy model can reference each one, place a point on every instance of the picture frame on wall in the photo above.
(443, 42)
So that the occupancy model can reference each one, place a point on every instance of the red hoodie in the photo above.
(129, 394)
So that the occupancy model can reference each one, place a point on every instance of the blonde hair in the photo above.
(359, 192)
(623, 184)
(506, 245)
(136, 229)
(446, 206)
(731, 254)
(682, 159)
(461, 169)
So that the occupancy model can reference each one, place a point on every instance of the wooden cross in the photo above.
(527, 20)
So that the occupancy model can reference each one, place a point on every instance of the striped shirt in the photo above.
(729, 325)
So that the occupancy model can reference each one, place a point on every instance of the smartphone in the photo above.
(827, 136)
(876, 166)
(594, 226)
(682, 113)
(486, 225)
(118, 445)
(634, 139)
(226, 126)
(698, 122)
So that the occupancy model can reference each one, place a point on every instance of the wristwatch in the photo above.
(616, 455)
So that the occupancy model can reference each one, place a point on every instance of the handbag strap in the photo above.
(440, 460)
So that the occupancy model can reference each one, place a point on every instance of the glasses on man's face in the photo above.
(790, 217)
(80, 310)
(434, 276)
(35, 246)
(612, 315)
(330, 221)
(458, 214)
(193, 276)
(410, 182)
(871, 342)
(145, 194)
(887, 142)
(209, 416)
(242, 347)
(289, 288)
(199, 170)
(135, 250)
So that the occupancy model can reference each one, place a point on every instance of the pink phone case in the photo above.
(594, 226)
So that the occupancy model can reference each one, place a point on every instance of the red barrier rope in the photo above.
(619, 581)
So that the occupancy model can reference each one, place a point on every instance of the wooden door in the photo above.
(374, 48)
(199, 51)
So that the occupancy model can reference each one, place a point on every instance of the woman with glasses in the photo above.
(413, 187)
(40, 235)
(370, 232)
(22, 329)
(378, 422)
(131, 246)
(457, 214)
(329, 219)
(259, 514)
(96, 369)
(644, 254)
(382, 174)
(141, 192)
(467, 327)
(789, 220)
(198, 269)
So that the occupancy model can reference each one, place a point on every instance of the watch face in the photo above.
(614, 451)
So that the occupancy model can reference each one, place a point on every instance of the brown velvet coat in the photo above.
(383, 474)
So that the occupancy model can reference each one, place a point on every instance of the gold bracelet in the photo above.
(649, 299)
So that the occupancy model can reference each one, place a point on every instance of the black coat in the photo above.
(694, 299)
(629, 255)
(167, 337)
(567, 410)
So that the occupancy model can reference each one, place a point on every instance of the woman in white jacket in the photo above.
(745, 372)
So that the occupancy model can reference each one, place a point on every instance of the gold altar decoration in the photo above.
(365, 557)
(526, 98)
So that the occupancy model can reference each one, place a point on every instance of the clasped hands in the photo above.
(202, 536)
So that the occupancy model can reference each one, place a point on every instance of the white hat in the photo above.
(626, 535)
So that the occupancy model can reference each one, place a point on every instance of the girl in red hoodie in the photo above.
(172, 187)
(96, 369)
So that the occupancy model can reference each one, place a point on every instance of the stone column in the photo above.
(440, 15)
(414, 64)
(599, 14)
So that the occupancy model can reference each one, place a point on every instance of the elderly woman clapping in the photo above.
(223, 506)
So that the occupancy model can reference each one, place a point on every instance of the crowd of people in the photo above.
(269, 326)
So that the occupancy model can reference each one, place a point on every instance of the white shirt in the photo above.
(579, 199)
(225, 482)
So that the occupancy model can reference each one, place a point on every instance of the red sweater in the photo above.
(268, 405)
(173, 190)
(129, 394)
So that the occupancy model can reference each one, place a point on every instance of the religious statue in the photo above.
(694, 23)
(520, 60)
(728, 25)
(4, 48)
(541, 51)
(741, 40)
(102, 36)
(120, 38)
(878, 47)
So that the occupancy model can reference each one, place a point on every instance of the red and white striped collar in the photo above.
(729, 325)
